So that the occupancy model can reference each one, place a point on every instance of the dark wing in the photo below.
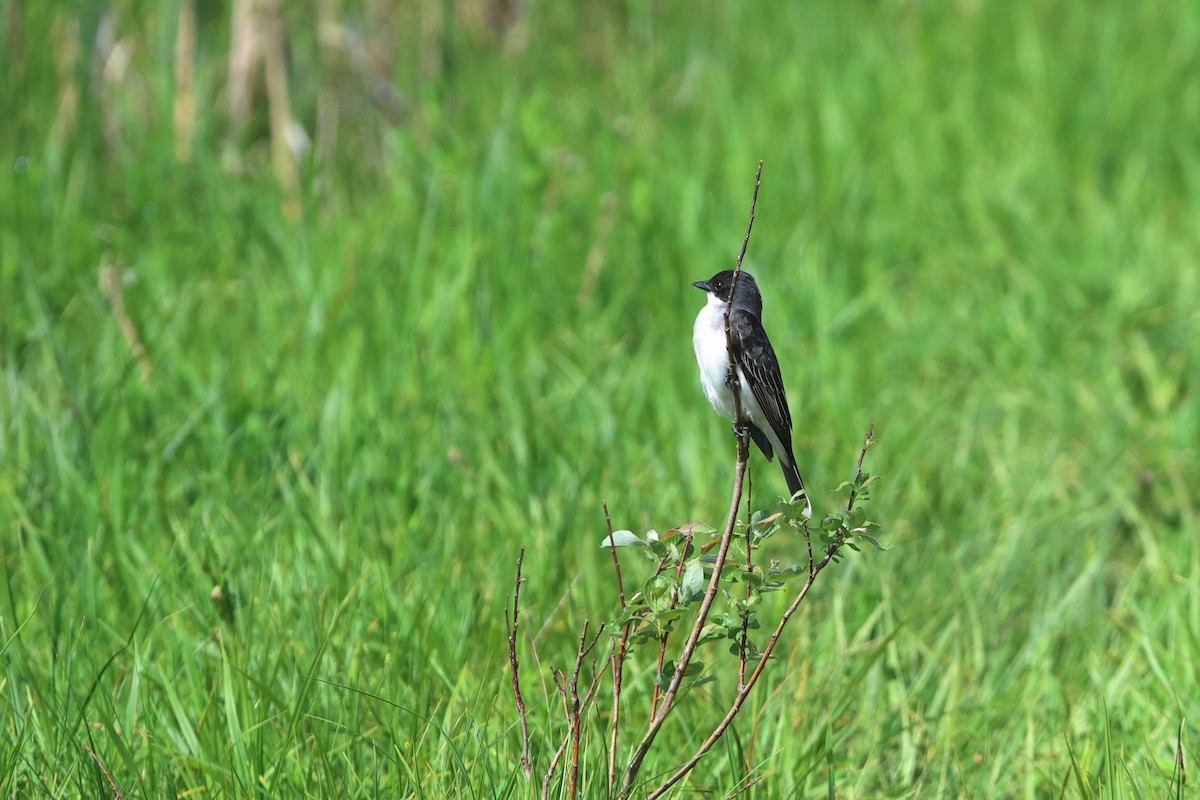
(753, 353)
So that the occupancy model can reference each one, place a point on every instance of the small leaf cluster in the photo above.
(848, 527)
(684, 559)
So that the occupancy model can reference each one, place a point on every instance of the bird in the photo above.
(765, 411)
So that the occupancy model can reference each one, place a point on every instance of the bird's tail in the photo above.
(795, 483)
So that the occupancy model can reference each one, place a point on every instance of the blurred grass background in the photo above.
(333, 306)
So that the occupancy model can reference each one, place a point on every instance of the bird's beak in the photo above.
(702, 285)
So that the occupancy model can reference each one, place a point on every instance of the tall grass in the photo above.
(467, 323)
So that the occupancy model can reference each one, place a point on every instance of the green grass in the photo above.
(978, 229)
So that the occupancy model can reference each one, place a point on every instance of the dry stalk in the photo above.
(110, 284)
(617, 659)
(573, 708)
(245, 39)
(330, 52)
(562, 748)
(117, 793)
(184, 110)
(511, 625)
(577, 706)
(749, 568)
(279, 109)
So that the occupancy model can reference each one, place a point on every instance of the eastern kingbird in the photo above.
(764, 402)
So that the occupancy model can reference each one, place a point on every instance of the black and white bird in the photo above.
(764, 402)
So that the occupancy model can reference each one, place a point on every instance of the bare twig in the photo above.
(573, 708)
(184, 112)
(617, 661)
(749, 785)
(245, 48)
(734, 382)
(710, 594)
(1180, 767)
(562, 748)
(560, 678)
(117, 793)
(749, 569)
(808, 544)
(110, 284)
(577, 706)
(613, 546)
(279, 106)
(558, 754)
(744, 691)
(511, 626)
(870, 440)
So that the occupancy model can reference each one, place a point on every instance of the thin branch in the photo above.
(558, 754)
(110, 284)
(733, 381)
(617, 661)
(573, 709)
(185, 71)
(749, 569)
(562, 748)
(613, 546)
(808, 544)
(559, 683)
(511, 626)
(710, 595)
(1180, 768)
(870, 440)
(749, 785)
(744, 691)
(117, 793)
(577, 706)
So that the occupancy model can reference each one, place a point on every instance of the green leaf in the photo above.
(754, 577)
(761, 517)
(695, 529)
(623, 538)
(833, 521)
(665, 618)
(659, 548)
(692, 585)
(874, 542)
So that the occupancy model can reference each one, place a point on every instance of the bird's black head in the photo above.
(721, 285)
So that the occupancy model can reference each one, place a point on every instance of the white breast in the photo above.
(708, 340)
